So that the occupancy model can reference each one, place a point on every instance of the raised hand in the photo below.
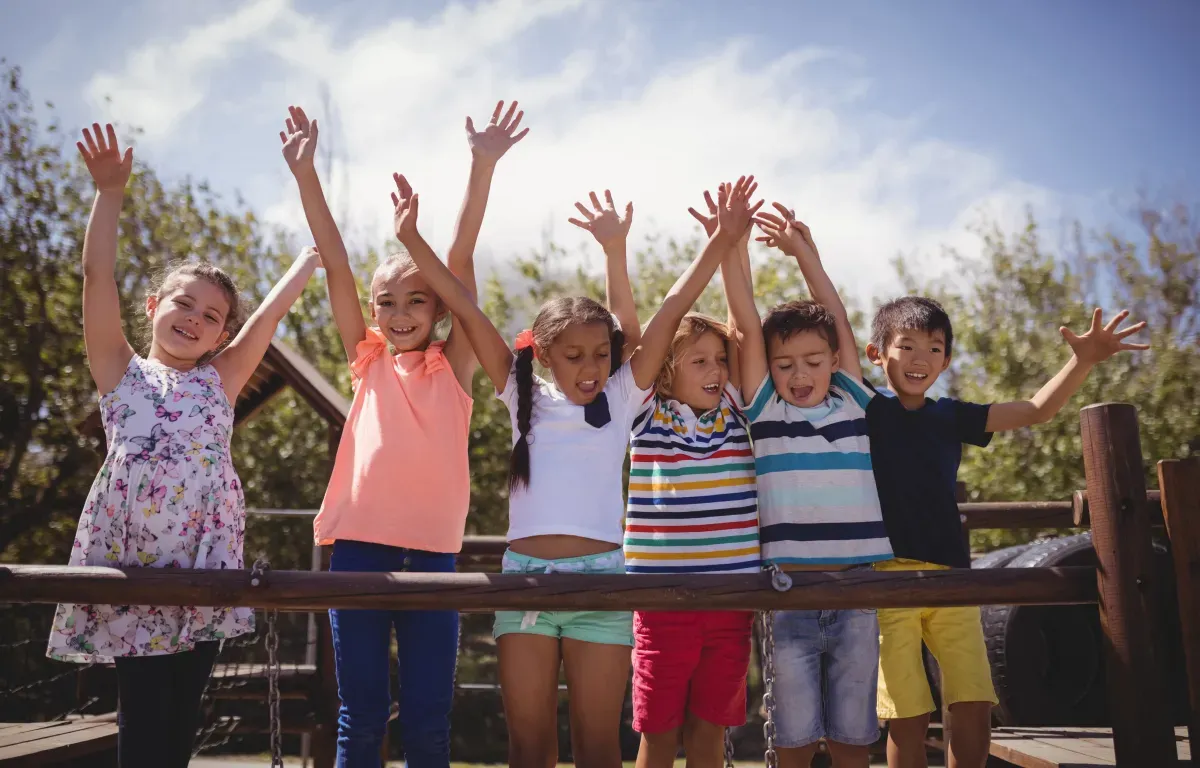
(406, 205)
(709, 222)
(605, 224)
(109, 168)
(786, 233)
(1102, 342)
(734, 212)
(299, 140)
(492, 142)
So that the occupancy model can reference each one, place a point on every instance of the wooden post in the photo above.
(1179, 481)
(1116, 487)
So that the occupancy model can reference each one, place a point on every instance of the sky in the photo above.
(891, 128)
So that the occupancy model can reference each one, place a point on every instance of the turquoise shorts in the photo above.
(605, 627)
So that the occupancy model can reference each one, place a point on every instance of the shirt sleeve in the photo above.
(643, 417)
(859, 392)
(624, 394)
(509, 395)
(970, 422)
(761, 398)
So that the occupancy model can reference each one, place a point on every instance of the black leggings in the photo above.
(159, 706)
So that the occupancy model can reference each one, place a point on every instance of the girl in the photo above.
(167, 495)
(692, 509)
(397, 500)
(569, 442)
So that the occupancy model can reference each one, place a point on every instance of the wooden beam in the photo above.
(486, 592)
(249, 405)
(1179, 481)
(1116, 486)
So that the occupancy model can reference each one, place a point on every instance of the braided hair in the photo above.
(555, 317)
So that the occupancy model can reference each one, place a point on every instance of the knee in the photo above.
(596, 751)
(532, 753)
(363, 723)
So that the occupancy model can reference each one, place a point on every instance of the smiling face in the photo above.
(187, 319)
(580, 359)
(404, 307)
(911, 362)
(700, 372)
(801, 367)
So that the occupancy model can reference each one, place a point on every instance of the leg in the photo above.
(666, 650)
(597, 674)
(659, 750)
(145, 693)
(955, 637)
(799, 713)
(717, 696)
(191, 673)
(703, 743)
(849, 755)
(904, 698)
(852, 668)
(361, 652)
(529, 665)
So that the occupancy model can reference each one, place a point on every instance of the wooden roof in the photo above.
(281, 366)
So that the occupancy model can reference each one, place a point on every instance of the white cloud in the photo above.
(659, 131)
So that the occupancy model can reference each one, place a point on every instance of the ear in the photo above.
(837, 362)
(221, 339)
(372, 305)
(542, 356)
(946, 363)
(874, 354)
(151, 306)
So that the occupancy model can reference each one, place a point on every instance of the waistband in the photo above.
(602, 562)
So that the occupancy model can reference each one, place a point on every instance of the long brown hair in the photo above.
(174, 272)
(693, 326)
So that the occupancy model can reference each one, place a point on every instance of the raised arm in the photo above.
(237, 362)
(108, 351)
(490, 347)
(742, 253)
(612, 232)
(1095, 346)
(487, 147)
(299, 149)
(733, 216)
(794, 238)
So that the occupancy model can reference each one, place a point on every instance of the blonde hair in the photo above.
(693, 326)
(398, 264)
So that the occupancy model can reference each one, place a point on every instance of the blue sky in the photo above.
(891, 127)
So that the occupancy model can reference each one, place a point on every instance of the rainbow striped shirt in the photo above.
(693, 506)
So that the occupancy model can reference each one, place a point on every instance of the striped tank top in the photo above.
(693, 506)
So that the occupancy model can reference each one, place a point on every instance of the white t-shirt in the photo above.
(574, 468)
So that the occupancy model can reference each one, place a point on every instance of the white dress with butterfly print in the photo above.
(166, 497)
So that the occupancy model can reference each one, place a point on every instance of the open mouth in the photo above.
(185, 334)
(403, 330)
(588, 387)
(802, 393)
(916, 378)
(712, 389)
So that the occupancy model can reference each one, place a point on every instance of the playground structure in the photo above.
(1132, 591)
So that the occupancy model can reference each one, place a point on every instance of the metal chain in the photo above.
(258, 578)
(780, 582)
(728, 749)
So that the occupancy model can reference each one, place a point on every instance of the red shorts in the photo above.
(689, 661)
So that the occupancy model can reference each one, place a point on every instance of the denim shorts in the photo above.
(606, 627)
(826, 666)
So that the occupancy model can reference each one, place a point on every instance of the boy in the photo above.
(916, 445)
(818, 505)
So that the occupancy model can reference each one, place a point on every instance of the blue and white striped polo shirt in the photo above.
(817, 501)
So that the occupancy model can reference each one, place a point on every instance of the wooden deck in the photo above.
(1065, 747)
(23, 744)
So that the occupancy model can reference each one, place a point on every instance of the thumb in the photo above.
(470, 126)
(628, 212)
(127, 160)
(415, 205)
(313, 129)
(1068, 334)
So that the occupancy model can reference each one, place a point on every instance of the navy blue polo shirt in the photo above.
(915, 455)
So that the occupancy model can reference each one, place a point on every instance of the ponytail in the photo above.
(518, 460)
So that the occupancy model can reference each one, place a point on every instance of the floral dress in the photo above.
(166, 497)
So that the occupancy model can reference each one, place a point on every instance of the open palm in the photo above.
(1101, 342)
(603, 221)
(108, 167)
(492, 142)
(299, 140)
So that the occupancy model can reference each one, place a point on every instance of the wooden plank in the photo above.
(488, 592)
(1047, 748)
(1116, 486)
(1180, 485)
(71, 739)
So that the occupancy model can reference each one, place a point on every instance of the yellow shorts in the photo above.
(954, 636)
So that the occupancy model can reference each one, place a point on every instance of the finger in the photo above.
(722, 196)
(496, 112)
(112, 135)
(766, 240)
(470, 126)
(92, 137)
(608, 199)
(595, 201)
(583, 210)
(775, 220)
(580, 224)
(395, 201)
(1134, 347)
(738, 187)
(283, 137)
(405, 188)
(516, 122)
(512, 108)
(83, 151)
(312, 130)
(757, 205)
(302, 118)
(1096, 316)
(767, 228)
(520, 136)
(784, 211)
(1068, 334)
(1130, 330)
(698, 216)
(629, 212)
(1116, 320)
(127, 160)
(414, 204)
(750, 192)
(712, 207)
(291, 127)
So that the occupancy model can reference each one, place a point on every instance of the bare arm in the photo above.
(740, 258)
(611, 231)
(752, 351)
(733, 215)
(487, 147)
(1095, 346)
(490, 348)
(299, 148)
(237, 362)
(108, 351)
(794, 238)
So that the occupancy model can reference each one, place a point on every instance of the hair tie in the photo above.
(524, 339)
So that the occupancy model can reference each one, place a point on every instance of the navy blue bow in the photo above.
(596, 412)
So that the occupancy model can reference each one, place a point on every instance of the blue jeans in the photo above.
(826, 667)
(427, 643)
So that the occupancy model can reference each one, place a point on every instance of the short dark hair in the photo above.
(910, 313)
(786, 320)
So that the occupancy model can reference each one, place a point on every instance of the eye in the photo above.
(212, 319)
(183, 303)
(936, 350)
(385, 303)
(417, 300)
(785, 366)
(573, 358)
(906, 347)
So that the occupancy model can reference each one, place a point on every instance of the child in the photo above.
(692, 509)
(398, 497)
(916, 446)
(565, 507)
(167, 495)
(817, 500)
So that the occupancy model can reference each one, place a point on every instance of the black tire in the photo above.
(999, 558)
(1047, 661)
